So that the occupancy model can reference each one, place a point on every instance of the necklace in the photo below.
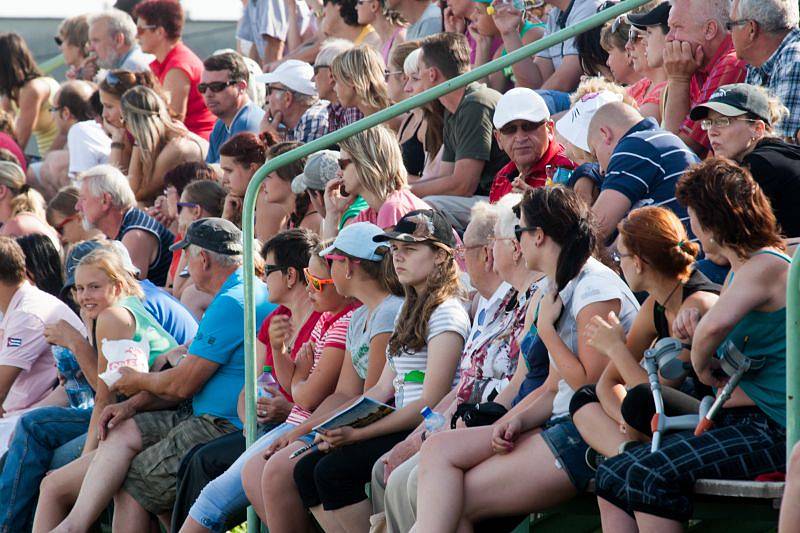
(666, 301)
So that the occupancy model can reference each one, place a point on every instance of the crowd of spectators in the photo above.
(503, 255)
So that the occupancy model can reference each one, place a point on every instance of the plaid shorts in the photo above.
(166, 437)
(744, 444)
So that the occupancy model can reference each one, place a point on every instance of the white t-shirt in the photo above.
(449, 316)
(595, 283)
(88, 146)
(581, 10)
(366, 325)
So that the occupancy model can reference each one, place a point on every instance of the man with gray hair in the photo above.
(112, 37)
(106, 202)
(698, 58)
(144, 438)
(767, 38)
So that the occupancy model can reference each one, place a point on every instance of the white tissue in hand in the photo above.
(124, 352)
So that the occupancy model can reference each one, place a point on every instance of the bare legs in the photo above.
(129, 515)
(599, 430)
(58, 492)
(285, 511)
(615, 519)
(104, 476)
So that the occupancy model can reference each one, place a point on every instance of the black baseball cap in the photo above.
(658, 16)
(421, 225)
(735, 100)
(213, 234)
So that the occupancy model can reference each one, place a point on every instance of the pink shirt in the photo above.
(22, 344)
(394, 207)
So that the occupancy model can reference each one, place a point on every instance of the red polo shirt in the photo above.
(535, 178)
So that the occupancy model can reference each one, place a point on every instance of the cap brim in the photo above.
(267, 77)
(397, 236)
(574, 133)
(328, 250)
(530, 117)
(67, 286)
(701, 111)
(180, 245)
(299, 184)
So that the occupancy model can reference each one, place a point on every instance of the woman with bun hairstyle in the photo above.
(22, 209)
(360, 269)
(161, 142)
(656, 257)
(468, 475)
(112, 87)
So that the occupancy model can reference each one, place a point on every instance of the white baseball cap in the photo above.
(574, 126)
(294, 74)
(520, 103)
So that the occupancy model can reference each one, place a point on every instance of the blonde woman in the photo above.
(360, 81)
(372, 167)
(22, 209)
(161, 143)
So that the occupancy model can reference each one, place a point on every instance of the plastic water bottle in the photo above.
(433, 421)
(79, 392)
(265, 382)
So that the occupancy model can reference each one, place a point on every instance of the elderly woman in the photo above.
(739, 119)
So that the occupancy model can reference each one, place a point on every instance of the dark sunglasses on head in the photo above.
(215, 86)
(59, 41)
(527, 127)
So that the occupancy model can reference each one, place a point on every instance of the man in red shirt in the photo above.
(525, 132)
(698, 57)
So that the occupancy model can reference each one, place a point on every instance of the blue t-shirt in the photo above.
(169, 312)
(220, 339)
(646, 165)
(247, 119)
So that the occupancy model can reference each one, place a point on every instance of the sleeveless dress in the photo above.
(45, 130)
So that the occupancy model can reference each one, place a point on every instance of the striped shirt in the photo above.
(330, 332)
(136, 219)
(646, 165)
(449, 316)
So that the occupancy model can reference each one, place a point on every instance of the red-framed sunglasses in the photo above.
(316, 283)
(340, 257)
(60, 226)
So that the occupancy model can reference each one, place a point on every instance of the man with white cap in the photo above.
(524, 131)
(295, 111)
(321, 167)
(641, 161)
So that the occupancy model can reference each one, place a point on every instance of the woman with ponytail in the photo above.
(656, 257)
(22, 209)
(533, 457)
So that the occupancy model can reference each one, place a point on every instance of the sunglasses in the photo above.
(215, 86)
(61, 225)
(734, 23)
(387, 73)
(142, 29)
(317, 68)
(59, 41)
(344, 163)
(340, 257)
(519, 230)
(55, 108)
(634, 35)
(618, 22)
(721, 122)
(269, 269)
(181, 205)
(314, 282)
(525, 126)
(271, 89)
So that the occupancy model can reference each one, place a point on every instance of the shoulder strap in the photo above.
(776, 254)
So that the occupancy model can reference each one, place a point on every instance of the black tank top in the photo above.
(697, 282)
(413, 151)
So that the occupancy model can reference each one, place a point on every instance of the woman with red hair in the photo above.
(159, 26)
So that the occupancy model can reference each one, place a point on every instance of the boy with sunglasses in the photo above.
(524, 131)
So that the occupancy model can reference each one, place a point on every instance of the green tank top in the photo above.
(766, 336)
(353, 210)
(147, 328)
(527, 25)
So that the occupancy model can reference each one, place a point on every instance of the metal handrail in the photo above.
(792, 356)
(248, 209)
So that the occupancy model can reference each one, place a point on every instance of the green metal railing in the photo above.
(793, 356)
(248, 211)
(51, 64)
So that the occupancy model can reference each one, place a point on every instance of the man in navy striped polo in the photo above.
(641, 162)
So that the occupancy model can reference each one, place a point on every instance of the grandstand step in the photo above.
(739, 489)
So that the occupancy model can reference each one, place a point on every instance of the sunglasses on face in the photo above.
(317, 284)
(525, 126)
(215, 86)
(59, 41)
(721, 122)
(340, 257)
(271, 89)
(181, 205)
(344, 163)
(519, 230)
(269, 269)
(634, 35)
(317, 68)
(61, 225)
(141, 29)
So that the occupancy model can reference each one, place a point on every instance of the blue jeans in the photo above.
(557, 101)
(36, 437)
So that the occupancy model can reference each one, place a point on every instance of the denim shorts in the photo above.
(569, 449)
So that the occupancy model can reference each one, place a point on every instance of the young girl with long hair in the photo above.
(362, 270)
(472, 474)
(22, 209)
(422, 359)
